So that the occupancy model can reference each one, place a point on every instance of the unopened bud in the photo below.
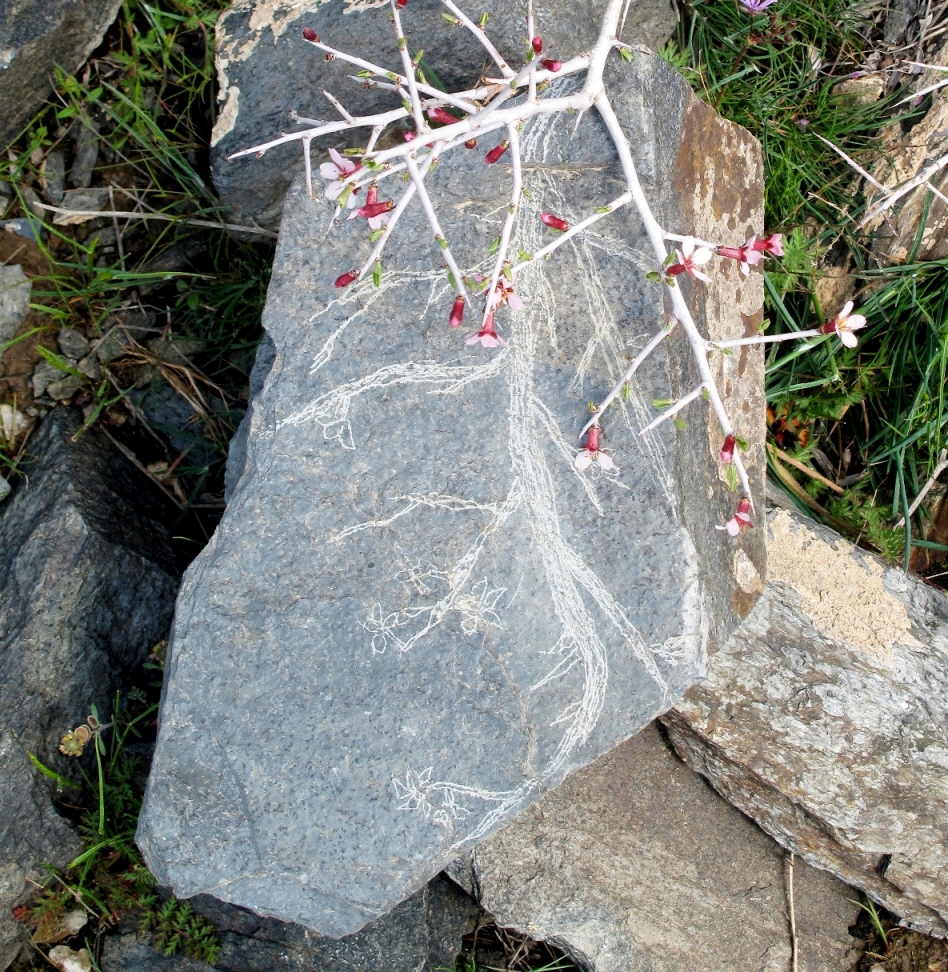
(346, 278)
(401, 4)
(727, 450)
(551, 65)
(496, 152)
(592, 438)
(537, 44)
(554, 222)
(310, 35)
(442, 117)
(369, 210)
(471, 143)
(457, 312)
(408, 136)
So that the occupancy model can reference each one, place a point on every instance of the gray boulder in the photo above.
(266, 69)
(36, 36)
(416, 616)
(634, 864)
(824, 719)
(15, 290)
(87, 586)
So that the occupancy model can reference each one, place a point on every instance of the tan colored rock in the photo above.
(825, 719)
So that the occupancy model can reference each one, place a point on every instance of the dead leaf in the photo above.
(51, 930)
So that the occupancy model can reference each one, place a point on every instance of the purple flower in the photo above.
(757, 6)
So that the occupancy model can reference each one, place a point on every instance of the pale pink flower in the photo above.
(741, 520)
(592, 453)
(506, 295)
(771, 244)
(380, 216)
(336, 173)
(749, 254)
(688, 258)
(487, 337)
(843, 324)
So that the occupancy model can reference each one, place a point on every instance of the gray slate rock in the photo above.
(422, 934)
(634, 864)
(415, 616)
(15, 290)
(36, 36)
(33, 834)
(824, 719)
(86, 154)
(53, 173)
(266, 69)
(87, 585)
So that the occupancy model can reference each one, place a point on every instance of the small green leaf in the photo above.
(662, 402)
(376, 234)
(507, 272)
(483, 21)
(452, 281)
(527, 192)
(364, 74)
(679, 424)
(742, 443)
(626, 391)
(592, 406)
(731, 476)
(653, 275)
(625, 54)
(670, 259)
(524, 256)
(442, 242)
(421, 76)
(705, 395)
(604, 209)
(402, 43)
(451, 19)
(377, 273)
(494, 246)
(351, 151)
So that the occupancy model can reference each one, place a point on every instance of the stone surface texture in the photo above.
(15, 289)
(265, 69)
(422, 934)
(823, 719)
(36, 36)
(87, 586)
(634, 864)
(416, 616)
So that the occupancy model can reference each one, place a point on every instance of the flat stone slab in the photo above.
(266, 69)
(416, 616)
(634, 864)
(824, 718)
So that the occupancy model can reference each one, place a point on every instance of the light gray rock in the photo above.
(824, 719)
(86, 153)
(634, 864)
(266, 69)
(81, 203)
(15, 290)
(36, 36)
(72, 343)
(53, 175)
(416, 616)
(44, 375)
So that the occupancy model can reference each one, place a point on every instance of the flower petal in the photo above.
(334, 189)
(845, 312)
(702, 255)
(583, 460)
(698, 275)
(473, 339)
(490, 340)
(732, 526)
(338, 159)
(847, 337)
(854, 322)
(514, 302)
(328, 170)
(605, 462)
(687, 247)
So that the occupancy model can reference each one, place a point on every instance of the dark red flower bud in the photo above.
(727, 450)
(675, 269)
(743, 512)
(551, 65)
(372, 194)
(401, 4)
(537, 45)
(496, 152)
(347, 278)
(734, 252)
(310, 35)
(471, 143)
(554, 222)
(408, 136)
(592, 438)
(376, 209)
(457, 312)
(441, 116)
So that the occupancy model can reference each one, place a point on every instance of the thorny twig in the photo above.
(503, 105)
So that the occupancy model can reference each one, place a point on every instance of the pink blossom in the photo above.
(592, 453)
(757, 6)
(688, 258)
(843, 324)
(336, 173)
(741, 520)
(771, 244)
(487, 337)
(748, 254)
(727, 450)
(506, 295)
